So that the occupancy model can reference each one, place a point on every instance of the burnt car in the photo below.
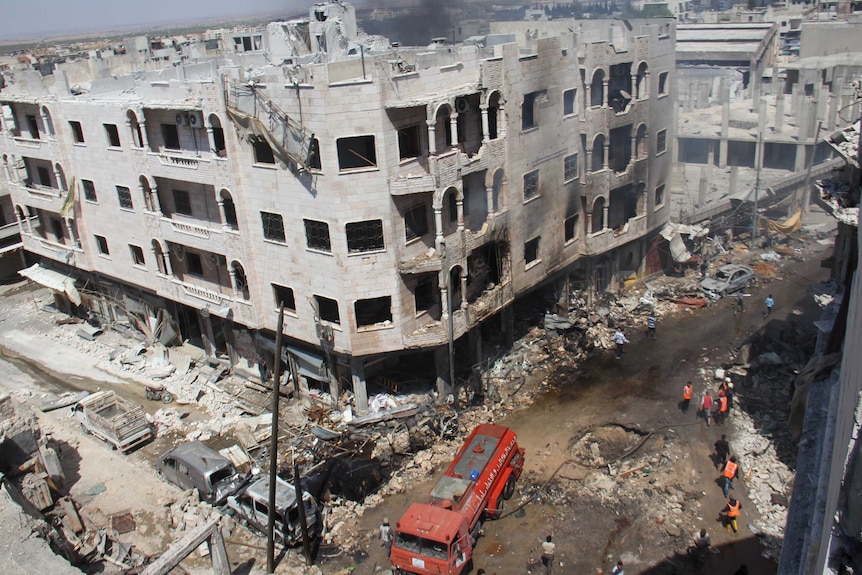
(250, 506)
(727, 279)
(194, 465)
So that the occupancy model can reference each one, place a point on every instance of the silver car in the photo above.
(193, 464)
(727, 279)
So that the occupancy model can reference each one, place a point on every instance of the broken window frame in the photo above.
(529, 110)
(112, 134)
(77, 132)
(327, 306)
(570, 228)
(660, 142)
(317, 236)
(137, 253)
(659, 195)
(415, 222)
(273, 227)
(531, 252)
(409, 142)
(349, 157)
(88, 188)
(368, 314)
(423, 301)
(182, 203)
(124, 197)
(102, 245)
(171, 136)
(262, 152)
(531, 185)
(570, 167)
(365, 236)
(286, 295)
(570, 102)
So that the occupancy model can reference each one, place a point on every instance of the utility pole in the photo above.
(758, 158)
(273, 446)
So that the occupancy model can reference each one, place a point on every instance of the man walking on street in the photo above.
(650, 323)
(722, 450)
(386, 536)
(548, 549)
(620, 340)
(706, 408)
(618, 570)
(739, 307)
(729, 394)
(729, 473)
(721, 412)
(769, 303)
(731, 514)
(687, 392)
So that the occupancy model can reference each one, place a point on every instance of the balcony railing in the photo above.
(9, 230)
(182, 167)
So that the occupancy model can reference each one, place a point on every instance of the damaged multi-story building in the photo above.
(395, 200)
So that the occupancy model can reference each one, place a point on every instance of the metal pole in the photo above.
(758, 157)
(273, 446)
(306, 543)
(806, 190)
(451, 334)
(362, 55)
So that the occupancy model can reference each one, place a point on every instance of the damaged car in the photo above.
(250, 507)
(194, 465)
(728, 279)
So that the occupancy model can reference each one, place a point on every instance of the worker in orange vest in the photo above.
(721, 412)
(731, 513)
(729, 473)
(687, 392)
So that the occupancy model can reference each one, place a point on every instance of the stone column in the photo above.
(459, 210)
(489, 199)
(71, 229)
(59, 177)
(501, 119)
(7, 172)
(589, 215)
(438, 228)
(605, 93)
(45, 122)
(634, 142)
(224, 225)
(441, 366)
(634, 79)
(157, 204)
(779, 112)
(207, 332)
(589, 89)
(589, 161)
(143, 125)
(646, 85)
(606, 154)
(360, 393)
(168, 266)
(432, 137)
(232, 273)
(211, 139)
(486, 136)
(463, 288)
(453, 128)
(605, 216)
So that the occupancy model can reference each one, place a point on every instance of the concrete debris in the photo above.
(770, 256)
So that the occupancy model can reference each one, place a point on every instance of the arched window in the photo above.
(240, 280)
(229, 210)
(598, 215)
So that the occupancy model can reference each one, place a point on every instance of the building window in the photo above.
(171, 136)
(284, 294)
(531, 251)
(262, 151)
(423, 295)
(374, 311)
(273, 226)
(531, 184)
(661, 142)
(194, 265)
(569, 99)
(182, 202)
(529, 110)
(137, 255)
(659, 195)
(314, 155)
(124, 195)
(415, 222)
(89, 190)
(44, 176)
(327, 309)
(571, 227)
(408, 142)
(570, 167)
(33, 127)
(113, 135)
(317, 235)
(77, 132)
(356, 152)
(364, 236)
(662, 84)
(102, 243)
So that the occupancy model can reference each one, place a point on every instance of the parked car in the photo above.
(251, 506)
(193, 464)
(727, 279)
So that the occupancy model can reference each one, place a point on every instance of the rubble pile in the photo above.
(188, 512)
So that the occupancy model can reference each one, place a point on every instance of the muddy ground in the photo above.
(572, 422)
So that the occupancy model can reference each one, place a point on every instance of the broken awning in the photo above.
(673, 234)
(308, 364)
(53, 280)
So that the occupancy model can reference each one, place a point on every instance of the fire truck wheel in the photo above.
(509, 489)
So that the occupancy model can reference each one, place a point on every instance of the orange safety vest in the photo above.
(733, 510)
(722, 404)
(686, 392)
(730, 470)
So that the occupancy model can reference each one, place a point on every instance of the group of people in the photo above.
(711, 409)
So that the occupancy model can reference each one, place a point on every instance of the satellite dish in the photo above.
(625, 95)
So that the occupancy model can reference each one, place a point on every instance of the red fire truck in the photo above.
(437, 536)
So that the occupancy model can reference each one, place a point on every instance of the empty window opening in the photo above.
(194, 264)
(327, 309)
(314, 155)
(415, 222)
(374, 311)
(273, 226)
(598, 218)
(570, 167)
(571, 227)
(485, 269)
(453, 207)
(124, 195)
(531, 184)
(661, 141)
(284, 295)
(531, 251)
(89, 190)
(44, 176)
(662, 83)
(597, 89)
(102, 243)
(137, 255)
(230, 213)
(364, 236)
(182, 202)
(77, 132)
(218, 141)
(659, 195)
(171, 136)
(112, 134)
(424, 295)
(262, 151)
(356, 152)
(57, 226)
(33, 126)
(529, 109)
(620, 149)
(409, 142)
(569, 99)
(317, 235)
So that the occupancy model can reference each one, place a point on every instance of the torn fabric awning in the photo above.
(53, 280)
(678, 250)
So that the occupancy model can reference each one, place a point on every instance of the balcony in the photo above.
(9, 231)
(49, 198)
(35, 148)
(608, 239)
(195, 236)
(50, 249)
(179, 166)
(421, 264)
(411, 184)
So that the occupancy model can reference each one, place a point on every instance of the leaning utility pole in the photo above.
(758, 158)
(273, 446)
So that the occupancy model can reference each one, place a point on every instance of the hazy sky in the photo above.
(38, 18)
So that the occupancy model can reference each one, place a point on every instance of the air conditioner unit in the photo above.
(196, 120)
(462, 105)
(181, 119)
(217, 260)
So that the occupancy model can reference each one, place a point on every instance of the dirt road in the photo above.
(597, 518)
